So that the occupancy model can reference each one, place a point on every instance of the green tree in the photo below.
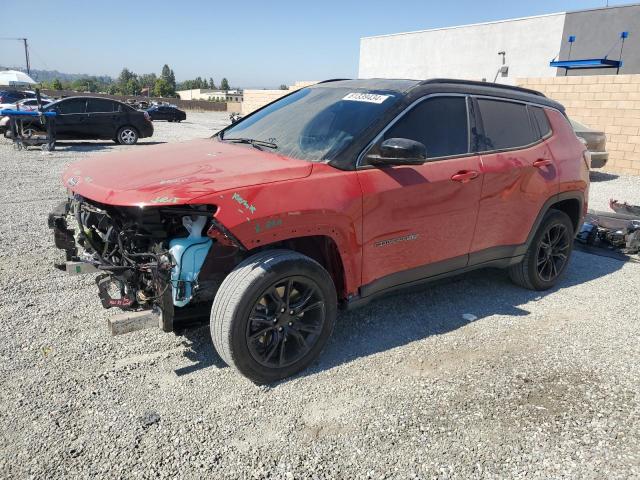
(127, 83)
(224, 84)
(148, 80)
(284, 87)
(168, 76)
(56, 84)
(162, 88)
(166, 73)
(125, 76)
(132, 87)
(211, 84)
(85, 84)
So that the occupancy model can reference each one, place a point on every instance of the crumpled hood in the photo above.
(177, 173)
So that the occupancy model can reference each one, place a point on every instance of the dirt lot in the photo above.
(537, 386)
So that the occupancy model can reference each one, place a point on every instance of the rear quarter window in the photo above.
(100, 105)
(506, 125)
(540, 120)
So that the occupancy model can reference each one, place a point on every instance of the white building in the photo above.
(528, 45)
(211, 94)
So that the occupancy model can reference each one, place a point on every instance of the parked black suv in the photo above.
(166, 112)
(91, 118)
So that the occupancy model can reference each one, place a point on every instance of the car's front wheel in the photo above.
(548, 254)
(127, 136)
(273, 314)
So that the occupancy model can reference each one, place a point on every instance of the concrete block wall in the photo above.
(610, 103)
(254, 99)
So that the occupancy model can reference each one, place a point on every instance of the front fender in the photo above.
(328, 202)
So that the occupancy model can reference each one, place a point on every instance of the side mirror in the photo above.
(399, 151)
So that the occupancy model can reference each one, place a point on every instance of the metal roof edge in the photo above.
(492, 22)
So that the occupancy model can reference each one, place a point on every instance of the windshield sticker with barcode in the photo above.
(366, 97)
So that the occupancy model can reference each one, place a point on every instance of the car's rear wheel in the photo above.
(273, 314)
(127, 136)
(548, 254)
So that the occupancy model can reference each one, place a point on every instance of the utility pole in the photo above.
(26, 55)
(26, 51)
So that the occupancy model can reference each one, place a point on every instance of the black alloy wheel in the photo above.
(286, 322)
(548, 253)
(273, 314)
(553, 252)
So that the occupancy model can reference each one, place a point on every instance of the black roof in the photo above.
(395, 85)
(414, 88)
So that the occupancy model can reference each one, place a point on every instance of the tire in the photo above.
(548, 254)
(127, 136)
(268, 347)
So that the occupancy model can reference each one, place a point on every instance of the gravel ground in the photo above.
(532, 385)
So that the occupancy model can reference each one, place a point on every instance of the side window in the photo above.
(96, 105)
(440, 123)
(506, 125)
(73, 105)
(540, 120)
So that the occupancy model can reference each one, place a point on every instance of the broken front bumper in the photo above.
(63, 236)
(112, 290)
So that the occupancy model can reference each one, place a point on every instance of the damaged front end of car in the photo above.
(162, 262)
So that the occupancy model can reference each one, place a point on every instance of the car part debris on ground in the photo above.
(619, 229)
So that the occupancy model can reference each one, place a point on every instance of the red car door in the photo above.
(519, 176)
(418, 221)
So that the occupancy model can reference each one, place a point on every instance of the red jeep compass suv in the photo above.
(329, 196)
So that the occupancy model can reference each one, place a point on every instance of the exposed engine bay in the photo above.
(168, 259)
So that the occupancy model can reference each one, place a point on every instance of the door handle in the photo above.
(465, 176)
(542, 162)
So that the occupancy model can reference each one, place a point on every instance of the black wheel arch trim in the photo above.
(560, 197)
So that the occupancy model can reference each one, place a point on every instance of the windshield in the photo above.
(313, 124)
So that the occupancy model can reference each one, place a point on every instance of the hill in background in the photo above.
(50, 75)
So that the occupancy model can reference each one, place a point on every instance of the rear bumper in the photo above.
(146, 130)
(599, 159)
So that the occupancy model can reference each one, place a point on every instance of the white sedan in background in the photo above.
(27, 104)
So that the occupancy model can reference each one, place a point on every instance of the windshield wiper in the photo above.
(252, 141)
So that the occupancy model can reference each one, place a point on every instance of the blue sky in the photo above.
(252, 43)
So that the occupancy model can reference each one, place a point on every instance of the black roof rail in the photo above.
(333, 80)
(482, 84)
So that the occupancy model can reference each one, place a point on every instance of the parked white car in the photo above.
(31, 104)
(27, 104)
